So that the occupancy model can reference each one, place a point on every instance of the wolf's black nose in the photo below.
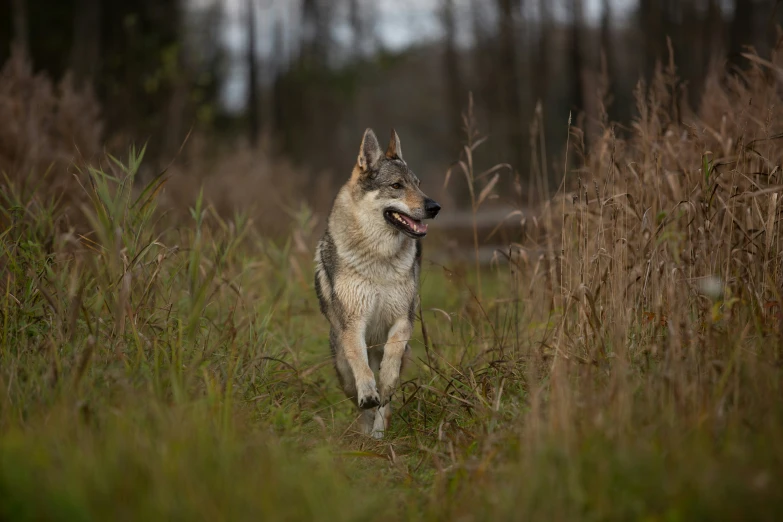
(431, 208)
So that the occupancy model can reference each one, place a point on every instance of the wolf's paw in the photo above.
(388, 384)
(367, 395)
(386, 393)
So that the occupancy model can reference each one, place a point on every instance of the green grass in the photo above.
(182, 372)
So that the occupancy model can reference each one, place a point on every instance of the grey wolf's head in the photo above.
(387, 190)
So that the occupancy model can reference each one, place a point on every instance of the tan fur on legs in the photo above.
(393, 352)
(354, 351)
(381, 421)
(345, 376)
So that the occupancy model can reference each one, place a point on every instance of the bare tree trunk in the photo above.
(278, 87)
(606, 33)
(650, 19)
(86, 49)
(21, 39)
(316, 36)
(484, 82)
(451, 66)
(577, 66)
(741, 28)
(509, 81)
(177, 103)
(541, 59)
(607, 49)
(357, 26)
(252, 75)
(713, 47)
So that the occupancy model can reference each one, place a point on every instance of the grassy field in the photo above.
(153, 368)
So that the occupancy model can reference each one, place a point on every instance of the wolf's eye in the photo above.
(396, 186)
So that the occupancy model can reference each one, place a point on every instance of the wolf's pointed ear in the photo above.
(370, 152)
(395, 149)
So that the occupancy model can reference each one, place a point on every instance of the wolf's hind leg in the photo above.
(381, 421)
(367, 421)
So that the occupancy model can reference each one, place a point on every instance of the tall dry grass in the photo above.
(634, 364)
(270, 189)
(46, 130)
(623, 363)
(50, 132)
(668, 272)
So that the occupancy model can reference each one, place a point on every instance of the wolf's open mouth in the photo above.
(405, 223)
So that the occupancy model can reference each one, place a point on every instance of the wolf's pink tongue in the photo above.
(408, 221)
(419, 228)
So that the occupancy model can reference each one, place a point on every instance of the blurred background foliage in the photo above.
(301, 79)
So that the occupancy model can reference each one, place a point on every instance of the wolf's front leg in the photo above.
(355, 353)
(393, 352)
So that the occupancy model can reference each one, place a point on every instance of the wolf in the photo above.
(367, 267)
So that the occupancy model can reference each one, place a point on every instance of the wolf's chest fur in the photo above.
(375, 273)
(390, 300)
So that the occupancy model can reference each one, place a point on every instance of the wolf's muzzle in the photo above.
(431, 207)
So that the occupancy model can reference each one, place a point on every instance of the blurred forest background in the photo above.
(299, 80)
